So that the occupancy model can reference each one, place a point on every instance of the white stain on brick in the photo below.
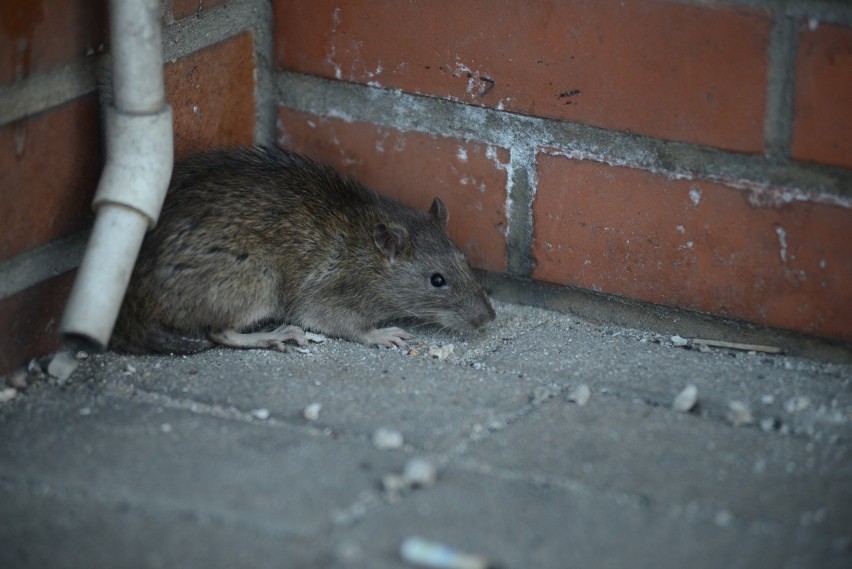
(332, 53)
(782, 241)
(695, 196)
(462, 154)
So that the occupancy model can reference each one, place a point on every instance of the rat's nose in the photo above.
(485, 316)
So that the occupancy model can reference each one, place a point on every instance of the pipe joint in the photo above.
(139, 162)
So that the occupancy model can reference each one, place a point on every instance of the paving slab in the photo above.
(208, 461)
(517, 521)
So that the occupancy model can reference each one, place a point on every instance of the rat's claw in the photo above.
(388, 337)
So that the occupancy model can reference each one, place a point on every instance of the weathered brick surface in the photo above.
(693, 244)
(212, 96)
(822, 125)
(30, 321)
(664, 69)
(49, 169)
(37, 36)
(184, 8)
(412, 167)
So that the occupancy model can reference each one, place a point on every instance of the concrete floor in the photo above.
(174, 462)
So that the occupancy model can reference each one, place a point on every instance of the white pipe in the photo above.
(136, 176)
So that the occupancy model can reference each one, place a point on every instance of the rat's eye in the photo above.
(438, 280)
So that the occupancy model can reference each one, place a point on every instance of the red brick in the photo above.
(49, 169)
(212, 96)
(30, 321)
(637, 234)
(37, 36)
(183, 8)
(822, 125)
(664, 69)
(470, 177)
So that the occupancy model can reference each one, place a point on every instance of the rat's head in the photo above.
(428, 278)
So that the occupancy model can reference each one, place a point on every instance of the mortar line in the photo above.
(264, 89)
(51, 88)
(826, 11)
(47, 90)
(768, 183)
(520, 192)
(42, 263)
(778, 123)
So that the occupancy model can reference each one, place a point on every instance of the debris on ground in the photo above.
(441, 352)
(419, 473)
(312, 411)
(685, 401)
(797, 403)
(18, 379)
(739, 414)
(580, 395)
(738, 346)
(261, 414)
(7, 394)
(424, 553)
(387, 439)
(62, 366)
(679, 342)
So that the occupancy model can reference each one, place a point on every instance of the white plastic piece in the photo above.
(423, 553)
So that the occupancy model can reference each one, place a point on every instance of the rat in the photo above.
(254, 237)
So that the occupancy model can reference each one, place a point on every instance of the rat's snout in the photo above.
(485, 315)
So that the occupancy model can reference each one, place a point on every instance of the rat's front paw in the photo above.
(388, 337)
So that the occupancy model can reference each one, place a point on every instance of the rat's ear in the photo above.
(439, 214)
(390, 240)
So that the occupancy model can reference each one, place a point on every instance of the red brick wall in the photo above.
(50, 161)
(685, 153)
(663, 188)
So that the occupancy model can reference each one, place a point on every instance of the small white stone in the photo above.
(315, 338)
(34, 368)
(312, 411)
(303, 350)
(580, 395)
(767, 399)
(85, 411)
(723, 518)
(767, 425)
(394, 484)
(131, 369)
(166, 428)
(797, 403)
(62, 366)
(262, 413)
(419, 472)
(739, 414)
(442, 352)
(678, 341)
(7, 394)
(387, 439)
(686, 399)
(81, 355)
(18, 379)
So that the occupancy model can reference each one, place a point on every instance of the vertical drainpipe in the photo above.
(139, 159)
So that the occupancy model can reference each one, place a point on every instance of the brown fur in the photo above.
(259, 235)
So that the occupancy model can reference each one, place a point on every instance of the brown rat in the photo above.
(256, 236)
